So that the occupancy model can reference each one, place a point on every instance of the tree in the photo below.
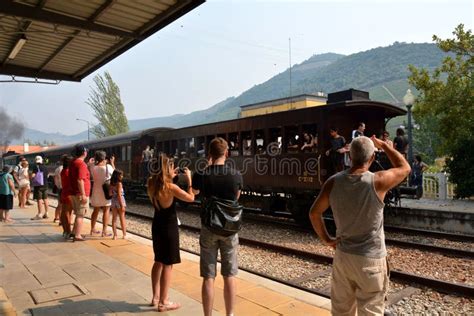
(108, 108)
(447, 96)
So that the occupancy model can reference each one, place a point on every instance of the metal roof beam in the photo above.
(97, 14)
(159, 22)
(24, 28)
(21, 71)
(38, 14)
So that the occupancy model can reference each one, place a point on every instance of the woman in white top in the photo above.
(100, 172)
(23, 183)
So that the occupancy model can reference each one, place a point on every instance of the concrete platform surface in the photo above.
(42, 274)
(459, 206)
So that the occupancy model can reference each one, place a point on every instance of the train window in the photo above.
(260, 143)
(292, 142)
(129, 152)
(158, 147)
(246, 143)
(191, 147)
(174, 148)
(233, 142)
(209, 138)
(201, 146)
(182, 147)
(124, 153)
(276, 136)
(310, 138)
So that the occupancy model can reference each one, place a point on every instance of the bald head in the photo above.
(362, 150)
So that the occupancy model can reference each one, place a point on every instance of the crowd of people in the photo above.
(360, 270)
(77, 184)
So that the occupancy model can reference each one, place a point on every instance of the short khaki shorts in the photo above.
(211, 243)
(80, 209)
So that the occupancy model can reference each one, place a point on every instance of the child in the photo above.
(118, 202)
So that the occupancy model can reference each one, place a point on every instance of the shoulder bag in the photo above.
(106, 185)
(222, 217)
(38, 179)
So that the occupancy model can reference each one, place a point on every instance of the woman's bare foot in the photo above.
(124, 237)
(154, 302)
(114, 238)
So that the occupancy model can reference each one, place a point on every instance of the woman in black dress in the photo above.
(162, 193)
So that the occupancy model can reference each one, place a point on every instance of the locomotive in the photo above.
(279, 178)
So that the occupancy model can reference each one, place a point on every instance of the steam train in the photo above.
(279, 178)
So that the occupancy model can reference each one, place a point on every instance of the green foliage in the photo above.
(461, 167)
(445, 105)
(108, 108)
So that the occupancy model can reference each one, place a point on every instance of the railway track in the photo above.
(438, 285)
(286, 223)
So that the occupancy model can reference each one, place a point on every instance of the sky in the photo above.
(225, 47)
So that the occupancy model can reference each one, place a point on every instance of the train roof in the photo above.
(96, 143)
(390, 110)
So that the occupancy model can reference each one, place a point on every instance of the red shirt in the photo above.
(78, 171)
(66, 190)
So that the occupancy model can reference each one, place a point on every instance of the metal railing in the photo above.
(437, 186)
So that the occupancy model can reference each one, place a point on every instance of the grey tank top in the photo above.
(358, 214)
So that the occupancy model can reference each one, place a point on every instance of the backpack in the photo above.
(38, 179)
(222, 217)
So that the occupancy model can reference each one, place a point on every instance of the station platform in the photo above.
(458, 206)
(42, 274)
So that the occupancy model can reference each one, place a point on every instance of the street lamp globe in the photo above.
(409, 98)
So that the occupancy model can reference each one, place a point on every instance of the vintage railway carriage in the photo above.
(279, 178)
(127, 149)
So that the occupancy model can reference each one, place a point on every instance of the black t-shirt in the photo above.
(337, 143)
(400, 143)
(220, 181)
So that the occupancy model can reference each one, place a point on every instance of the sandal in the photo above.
(79, 239)
(96, 232)
(107, 235)
(170, 306)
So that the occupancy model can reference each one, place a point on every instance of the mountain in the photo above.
(32, 136)
(382, 71)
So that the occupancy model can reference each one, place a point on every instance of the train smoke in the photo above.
(10, 129)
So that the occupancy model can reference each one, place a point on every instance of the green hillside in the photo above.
(380, 71)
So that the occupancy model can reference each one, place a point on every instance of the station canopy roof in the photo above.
(69, 39)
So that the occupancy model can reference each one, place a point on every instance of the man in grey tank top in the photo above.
(359, 272)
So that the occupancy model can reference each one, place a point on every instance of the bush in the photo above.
(461, 168)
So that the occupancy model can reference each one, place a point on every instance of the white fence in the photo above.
(437, 186)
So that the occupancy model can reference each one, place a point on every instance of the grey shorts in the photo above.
(210, 243)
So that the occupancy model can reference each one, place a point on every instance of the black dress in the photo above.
(165, 235)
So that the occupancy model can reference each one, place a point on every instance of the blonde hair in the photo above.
(160, 182)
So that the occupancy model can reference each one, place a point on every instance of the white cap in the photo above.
(39, 159)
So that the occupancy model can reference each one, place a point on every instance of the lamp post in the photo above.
(88, 128)
(408, 100)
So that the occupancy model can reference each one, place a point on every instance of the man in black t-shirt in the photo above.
(400, 142)
(337, 150)
(226, 183)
